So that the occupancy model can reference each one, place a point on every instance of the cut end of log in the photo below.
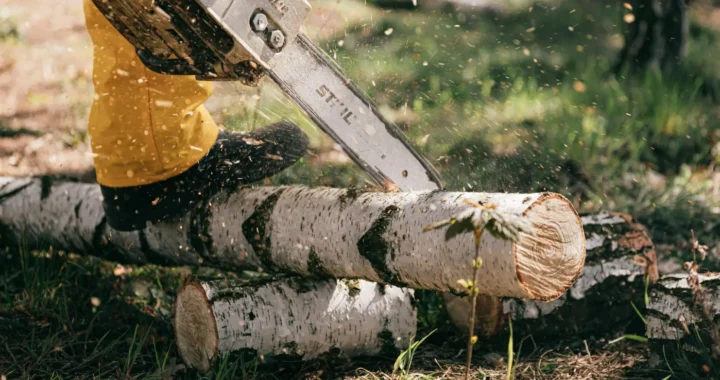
(549, 261)
(195, 327)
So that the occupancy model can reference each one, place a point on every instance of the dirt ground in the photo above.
(45, 77)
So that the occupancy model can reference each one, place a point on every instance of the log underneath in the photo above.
(316, 232)
(303, 319)
(683, 325)
(620, 256)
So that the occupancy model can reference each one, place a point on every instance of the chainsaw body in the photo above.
(243, 40)
(211, 39)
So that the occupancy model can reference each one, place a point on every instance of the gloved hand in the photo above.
(235, 159)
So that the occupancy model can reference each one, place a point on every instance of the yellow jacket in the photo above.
(144, 127)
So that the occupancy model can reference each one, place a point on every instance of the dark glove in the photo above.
(235, 159)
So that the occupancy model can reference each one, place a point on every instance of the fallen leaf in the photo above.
(119, 270)
(579, 86)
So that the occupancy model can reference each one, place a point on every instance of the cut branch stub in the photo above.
(319, 232)
(295, 317)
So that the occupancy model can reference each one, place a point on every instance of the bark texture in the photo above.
(317, 232)
(620, 255)
(682, 324)
(296, 317)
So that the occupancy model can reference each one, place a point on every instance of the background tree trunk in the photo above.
(676, 30)
(657, 38)
(682, 325)
(296, 317)
(316, 233)
(620, 256)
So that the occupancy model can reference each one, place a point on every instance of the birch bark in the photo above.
(296, 317)
(317, 232)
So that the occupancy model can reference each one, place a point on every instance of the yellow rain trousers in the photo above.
(144, 127)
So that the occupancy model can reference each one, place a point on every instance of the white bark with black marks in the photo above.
(317, 232)
(620, 255)
(296, 317)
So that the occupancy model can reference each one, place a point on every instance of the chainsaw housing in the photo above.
(211, 39)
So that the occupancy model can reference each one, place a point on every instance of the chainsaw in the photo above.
(246, 40)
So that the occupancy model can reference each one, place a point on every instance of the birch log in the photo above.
(620, 256)
(301, 318)
(317, 232)
(683, 325)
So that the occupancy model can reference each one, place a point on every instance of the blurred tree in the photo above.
(657, 35)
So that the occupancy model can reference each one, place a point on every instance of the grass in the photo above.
(403, 363)
(518, 101)
(511, 353)
(8, 28)
(67, 317)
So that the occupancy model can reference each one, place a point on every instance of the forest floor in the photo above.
(515, 96)
(76, 317)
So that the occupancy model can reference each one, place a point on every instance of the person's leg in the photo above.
(157, 150)
(145, 127)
